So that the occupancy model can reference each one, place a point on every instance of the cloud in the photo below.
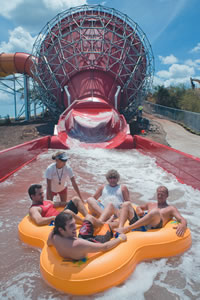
(196, 48)
(177, 71)
(157, 81)
(181, 71)
(176, 81)
(62, 4)
(168, 60)
(34, 14)
(193, 63)
(19, 40)
(176, 74)
(8, 6)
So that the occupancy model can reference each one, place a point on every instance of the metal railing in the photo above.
(189, 119)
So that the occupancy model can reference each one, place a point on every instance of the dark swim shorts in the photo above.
(71, 206)
(133, 220)
(147, 227)
(158, 226)
(87, 232)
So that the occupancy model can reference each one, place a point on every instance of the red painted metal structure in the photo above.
(88, 62)
(92, 50)
(184, 166)
(96, 56)
(13, 159)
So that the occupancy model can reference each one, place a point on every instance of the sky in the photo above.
(171, 26)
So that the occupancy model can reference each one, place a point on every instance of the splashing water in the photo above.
(171, 278)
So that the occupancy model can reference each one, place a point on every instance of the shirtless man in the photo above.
(43, 212)
(112, 194)
(158, 214)
(64, 239)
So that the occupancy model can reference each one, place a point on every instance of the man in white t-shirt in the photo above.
(111, 194)
(57, 175)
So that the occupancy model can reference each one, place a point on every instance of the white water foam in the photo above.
(172, 278)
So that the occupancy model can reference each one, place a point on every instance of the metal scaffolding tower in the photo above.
(20, 87)
(91, 38)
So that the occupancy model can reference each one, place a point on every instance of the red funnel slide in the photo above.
(88, 63)
(91, 121)
(94, 123)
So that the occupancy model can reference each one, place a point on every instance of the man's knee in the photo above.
(76, 200)
(154, 213)
(90, 218)
(68, 211)
(127, 205)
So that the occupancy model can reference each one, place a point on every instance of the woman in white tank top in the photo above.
(111, 193)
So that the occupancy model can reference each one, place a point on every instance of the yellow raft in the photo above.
(101, 271)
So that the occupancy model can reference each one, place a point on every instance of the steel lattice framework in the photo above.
(92, 40)
(14, 86)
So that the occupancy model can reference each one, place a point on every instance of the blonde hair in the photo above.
(112, 173)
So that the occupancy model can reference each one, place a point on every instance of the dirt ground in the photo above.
(21, 132)
(156, 131)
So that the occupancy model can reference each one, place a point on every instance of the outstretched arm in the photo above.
(75, 186)
(89, 247)
(38, 219)
(98, 193)
(125, 193)
(182, 226)
(49, 193)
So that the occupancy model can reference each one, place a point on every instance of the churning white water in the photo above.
(166, 279)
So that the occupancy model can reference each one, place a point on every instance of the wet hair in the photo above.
(112, 173)
(165, 188)
(56, 154)
(61, 221)
(32, 189)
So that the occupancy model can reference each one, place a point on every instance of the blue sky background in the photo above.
(171, 26)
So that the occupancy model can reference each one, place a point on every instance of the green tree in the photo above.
(176, 93)
(191, 100)
(177, 97)
(166, 97)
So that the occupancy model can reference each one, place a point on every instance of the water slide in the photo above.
(87, 68)
(85, 83)
(18, 62)
(89, 63)
(92, 120)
